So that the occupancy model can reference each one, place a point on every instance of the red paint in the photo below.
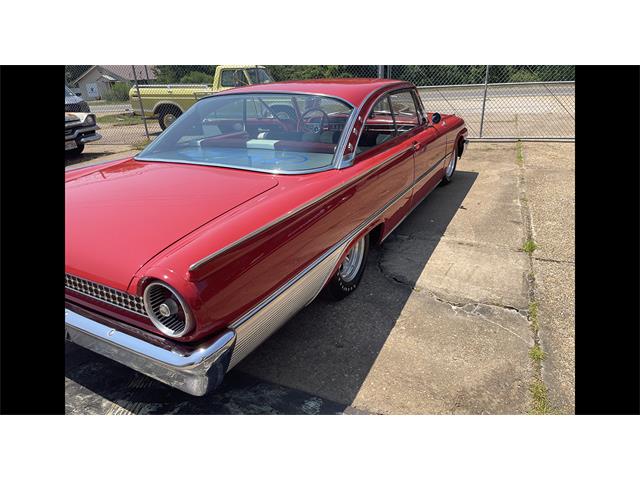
(129, 222)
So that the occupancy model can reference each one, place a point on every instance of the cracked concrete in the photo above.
(550, 177)
(439, 322)
(438, 325)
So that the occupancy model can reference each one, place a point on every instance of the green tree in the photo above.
(197, 78)
(118, 92)
(174, 73)
(303, 72)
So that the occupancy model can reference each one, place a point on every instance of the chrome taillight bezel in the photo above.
(167, 326)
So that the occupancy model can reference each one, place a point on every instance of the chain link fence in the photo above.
(133, 103)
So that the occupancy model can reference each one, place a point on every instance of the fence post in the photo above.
(144, 117)
(380, 71)
(484, 100)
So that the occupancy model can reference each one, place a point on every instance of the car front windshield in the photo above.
(272, 132)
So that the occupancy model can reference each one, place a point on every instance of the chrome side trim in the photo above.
(257, 325)
(195, 372)
(305, 205)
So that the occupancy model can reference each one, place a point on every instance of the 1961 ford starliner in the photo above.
(182, 260)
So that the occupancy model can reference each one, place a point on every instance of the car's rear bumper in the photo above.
(195, 370)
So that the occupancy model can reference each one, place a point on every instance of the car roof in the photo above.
(353, 90)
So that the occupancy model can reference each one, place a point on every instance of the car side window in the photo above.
(404, 111)
(379, 127)
(233, 78)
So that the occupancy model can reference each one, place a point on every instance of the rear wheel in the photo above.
(350, 273)
(167, 115)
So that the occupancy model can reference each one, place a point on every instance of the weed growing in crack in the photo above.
(519, 155)
(529, 246)
(536, 354)
(540, 400)
(533, 317)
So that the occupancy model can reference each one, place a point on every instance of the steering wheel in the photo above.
(309, 126)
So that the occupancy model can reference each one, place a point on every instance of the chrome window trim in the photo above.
(194, 266)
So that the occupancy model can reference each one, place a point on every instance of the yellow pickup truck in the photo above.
(168, 102)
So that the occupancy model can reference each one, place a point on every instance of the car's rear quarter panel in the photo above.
(231, 283)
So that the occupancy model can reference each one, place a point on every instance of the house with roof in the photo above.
(99, 79)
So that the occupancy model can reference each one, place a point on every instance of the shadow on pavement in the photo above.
(327, 349)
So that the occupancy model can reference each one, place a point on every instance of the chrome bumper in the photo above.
(196, 371)
(92, 138)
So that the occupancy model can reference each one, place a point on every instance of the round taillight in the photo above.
(167, 310)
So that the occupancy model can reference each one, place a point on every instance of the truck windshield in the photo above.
(270, 132)
(259, 75)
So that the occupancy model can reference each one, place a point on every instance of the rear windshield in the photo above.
(281, 132)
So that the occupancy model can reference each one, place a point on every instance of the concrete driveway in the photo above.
(441, 323)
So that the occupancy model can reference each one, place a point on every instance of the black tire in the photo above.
(76, 151)
(167, 115)
(339, 287)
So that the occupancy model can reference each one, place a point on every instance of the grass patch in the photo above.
(519, 154)
(536, 354)
(120, 119)
(540, 401)
(529, 246)
(533, 317)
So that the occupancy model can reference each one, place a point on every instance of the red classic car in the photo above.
(183, 259)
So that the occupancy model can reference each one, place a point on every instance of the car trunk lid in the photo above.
(122, 215)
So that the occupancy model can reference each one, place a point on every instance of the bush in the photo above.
(118, 92)
(197, 78)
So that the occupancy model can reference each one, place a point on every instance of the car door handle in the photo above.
(416, 145)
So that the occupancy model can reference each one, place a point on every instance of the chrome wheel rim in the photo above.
(351, 264)
(452, 165)
(169, 118)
